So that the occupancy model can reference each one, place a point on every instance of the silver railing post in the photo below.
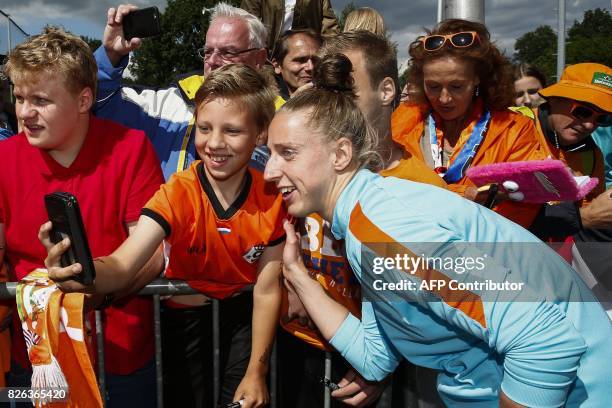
(158, 351)
(100, 354)
(328, 372)
(273, 377)
(216, 352)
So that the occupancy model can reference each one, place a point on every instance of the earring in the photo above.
(556, 139)
(477, 91)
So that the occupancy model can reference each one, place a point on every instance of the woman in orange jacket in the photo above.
(459, 118)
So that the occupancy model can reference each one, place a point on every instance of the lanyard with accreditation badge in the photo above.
(456, 171)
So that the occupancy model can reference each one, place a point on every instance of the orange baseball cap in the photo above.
(587, 82)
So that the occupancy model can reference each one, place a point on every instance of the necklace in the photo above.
(556, 139)
(456, 170)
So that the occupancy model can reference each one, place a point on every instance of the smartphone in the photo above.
(141, 23)
(64, 213)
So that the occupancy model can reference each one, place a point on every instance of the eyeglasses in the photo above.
(463, 39)
(225, 55)
(583, 112)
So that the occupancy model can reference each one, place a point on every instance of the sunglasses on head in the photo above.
(463, 39)
(583, 112)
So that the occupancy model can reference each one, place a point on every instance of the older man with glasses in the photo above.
(166, 116)
(576, 106)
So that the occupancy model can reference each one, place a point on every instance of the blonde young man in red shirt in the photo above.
(112, 171)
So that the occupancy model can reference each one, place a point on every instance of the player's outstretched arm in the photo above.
(114, 273)
(266, 311)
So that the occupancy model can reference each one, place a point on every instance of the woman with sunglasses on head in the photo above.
(545, 346)
(463, 86)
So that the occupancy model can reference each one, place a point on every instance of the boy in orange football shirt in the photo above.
(221, 221)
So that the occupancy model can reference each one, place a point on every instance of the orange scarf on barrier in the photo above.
(53, 328)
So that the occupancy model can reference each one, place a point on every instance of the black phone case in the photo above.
(64, 213)
(142, 23)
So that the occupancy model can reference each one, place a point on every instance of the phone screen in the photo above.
(63, 211)
(142, 23)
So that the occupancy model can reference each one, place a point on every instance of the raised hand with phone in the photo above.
(126, 25)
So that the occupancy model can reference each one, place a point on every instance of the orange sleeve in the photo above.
(407, 128)
(167, 206)
(522, 144)
(414, 169)
(400, 119)
(522, 141)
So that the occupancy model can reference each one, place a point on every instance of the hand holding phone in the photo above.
(65, 216)
(113, 40)
(141, 23)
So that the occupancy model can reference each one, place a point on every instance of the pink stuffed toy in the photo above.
(536, 181)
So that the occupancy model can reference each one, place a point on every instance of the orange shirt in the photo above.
(324, 256)
(583, 163)
(510, 137)
(216, 250)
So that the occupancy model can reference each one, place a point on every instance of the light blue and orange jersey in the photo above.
(547, 344)
(325, 259)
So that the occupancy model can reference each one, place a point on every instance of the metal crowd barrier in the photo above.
(162, 287)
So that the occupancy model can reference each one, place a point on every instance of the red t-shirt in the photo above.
(113, 176)
(216, 250)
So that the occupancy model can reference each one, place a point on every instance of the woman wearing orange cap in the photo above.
(463, 87)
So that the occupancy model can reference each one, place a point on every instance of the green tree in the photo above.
(161, 58)
(93, 43)
(538, 48)
(595, 23)
(591, 39)
(345, 12)
(587, 41)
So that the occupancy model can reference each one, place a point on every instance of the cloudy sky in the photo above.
(405, 19)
